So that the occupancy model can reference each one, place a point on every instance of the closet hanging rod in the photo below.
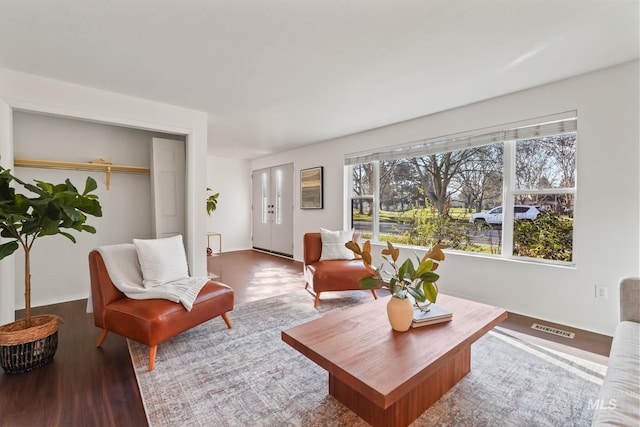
(56, 164)
(99, 165)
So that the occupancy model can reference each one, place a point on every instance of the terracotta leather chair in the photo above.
(151, 321)
(330, 275)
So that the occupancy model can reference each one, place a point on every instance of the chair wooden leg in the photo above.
(306, 285)
(152, 357)
(227, 321)
(315, 303)
(375, 295)
(102, 337)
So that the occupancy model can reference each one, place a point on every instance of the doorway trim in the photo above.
(48, 100)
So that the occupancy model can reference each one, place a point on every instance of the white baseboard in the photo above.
(55, 300)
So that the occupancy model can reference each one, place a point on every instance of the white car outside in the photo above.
(494, 216)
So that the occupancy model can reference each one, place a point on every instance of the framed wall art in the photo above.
(311, 196)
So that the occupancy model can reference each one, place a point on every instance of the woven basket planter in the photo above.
(23, 349)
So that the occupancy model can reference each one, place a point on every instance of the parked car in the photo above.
(494, 216)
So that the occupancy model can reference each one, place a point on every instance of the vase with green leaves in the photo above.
(403, 280)
(48, 211)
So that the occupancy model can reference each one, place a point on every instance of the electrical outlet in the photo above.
(601, 292)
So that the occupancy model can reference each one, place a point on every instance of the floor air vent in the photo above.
(554, 331)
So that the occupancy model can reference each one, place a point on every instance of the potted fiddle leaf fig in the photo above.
(50, 210)
(405, 279)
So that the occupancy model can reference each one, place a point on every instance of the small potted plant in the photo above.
(212, 205)
(212, 202)
(404, 280)
(32, 342)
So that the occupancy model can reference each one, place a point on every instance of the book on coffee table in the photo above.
(435, 314)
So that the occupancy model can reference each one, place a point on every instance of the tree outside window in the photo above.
(430, 199)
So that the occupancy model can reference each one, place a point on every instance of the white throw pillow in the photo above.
(333, 244)
(161, 260)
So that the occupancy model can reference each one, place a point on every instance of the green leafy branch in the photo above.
(406, 278)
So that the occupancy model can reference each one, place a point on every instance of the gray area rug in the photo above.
(246, 376)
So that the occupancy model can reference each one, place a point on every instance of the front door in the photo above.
(261, 209)
(272, 213)
(282, 209)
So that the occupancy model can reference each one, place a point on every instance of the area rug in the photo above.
(246, 376)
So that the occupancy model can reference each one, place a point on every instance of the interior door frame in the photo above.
(7, 265)
(192, 241)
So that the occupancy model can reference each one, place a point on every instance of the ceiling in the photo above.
(277, 74)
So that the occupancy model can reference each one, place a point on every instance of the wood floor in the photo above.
(89, 386)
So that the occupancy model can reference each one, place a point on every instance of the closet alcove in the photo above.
(54, 148)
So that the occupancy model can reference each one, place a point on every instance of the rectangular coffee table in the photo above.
(390, 378)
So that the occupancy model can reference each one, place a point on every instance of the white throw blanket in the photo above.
(125, 272)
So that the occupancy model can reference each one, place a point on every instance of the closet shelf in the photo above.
(99, 165)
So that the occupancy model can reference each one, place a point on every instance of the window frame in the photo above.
(509, 141)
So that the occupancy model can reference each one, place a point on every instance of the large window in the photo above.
(506, 192)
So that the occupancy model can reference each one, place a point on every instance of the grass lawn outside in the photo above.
(407, 216)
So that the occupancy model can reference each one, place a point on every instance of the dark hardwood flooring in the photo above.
(89, 386)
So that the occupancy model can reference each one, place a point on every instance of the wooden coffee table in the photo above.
(390, 378)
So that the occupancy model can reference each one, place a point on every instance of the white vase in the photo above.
(400, 312)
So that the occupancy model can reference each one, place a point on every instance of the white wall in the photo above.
(26, 92)
(126, 206)
(232, 179)
(607, 203)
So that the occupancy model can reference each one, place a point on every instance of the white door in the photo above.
(261, 209)
(272, 209)
(282, 209)
(168, 187)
